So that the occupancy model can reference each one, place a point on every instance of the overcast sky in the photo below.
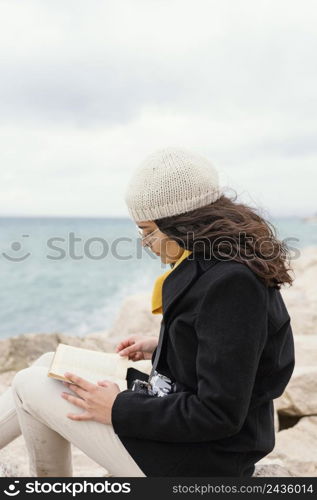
(89, 88)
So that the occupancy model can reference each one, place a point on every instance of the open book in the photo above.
(93, 365)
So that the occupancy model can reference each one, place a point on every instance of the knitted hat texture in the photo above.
(171, 181)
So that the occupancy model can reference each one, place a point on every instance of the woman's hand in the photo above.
(95, 399)
(137, 347)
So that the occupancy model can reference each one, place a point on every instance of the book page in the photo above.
(89, 364)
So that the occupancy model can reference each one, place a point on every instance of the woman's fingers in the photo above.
(78, 390)
(80, 416)
(132, 357)
(130, 350)
(72, 399)
(81, 382)
(137, 356)
(119, 347)
(125, 343)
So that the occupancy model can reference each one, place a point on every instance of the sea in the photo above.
(71, 274)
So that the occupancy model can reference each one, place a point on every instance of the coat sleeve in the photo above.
(231, 329)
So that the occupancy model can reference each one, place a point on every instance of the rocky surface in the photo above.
(301, 297)
(295, 414)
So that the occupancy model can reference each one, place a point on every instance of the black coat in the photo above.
(228, 343)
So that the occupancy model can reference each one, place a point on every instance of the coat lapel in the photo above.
(174, 286)
(180, 280)
(177, 282)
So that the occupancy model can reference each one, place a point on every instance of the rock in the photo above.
(96, 342)
(270, 469)
(295, 448)
(8, 470)
(135, 317)
(14, 462)
(305, 350)
(300, 396)
(301, 297)
(276, 418)
(18, 352)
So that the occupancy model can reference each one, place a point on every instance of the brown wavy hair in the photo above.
(229, 230)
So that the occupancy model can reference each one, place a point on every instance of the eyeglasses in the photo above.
(147, 237)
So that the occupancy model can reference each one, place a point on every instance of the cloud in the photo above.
(91, 87)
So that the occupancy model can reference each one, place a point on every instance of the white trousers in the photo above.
(33, 405)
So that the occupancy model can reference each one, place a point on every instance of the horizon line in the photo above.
(125, 217)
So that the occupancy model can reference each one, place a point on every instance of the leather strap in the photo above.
(158, 349)
(176, 385)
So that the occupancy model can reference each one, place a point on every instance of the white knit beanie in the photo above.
(171, 181)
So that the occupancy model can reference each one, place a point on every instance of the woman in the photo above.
(225, 346)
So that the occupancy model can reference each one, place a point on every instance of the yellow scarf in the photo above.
(157, 290)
